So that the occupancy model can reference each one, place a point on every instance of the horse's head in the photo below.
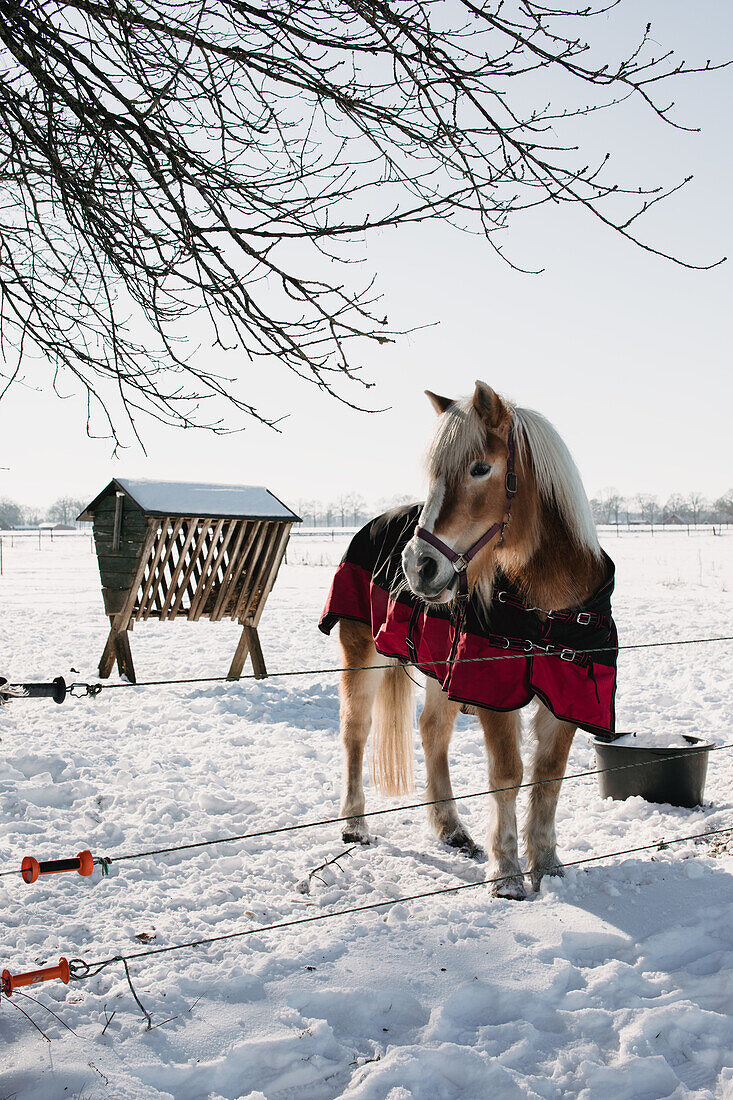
(472, 482)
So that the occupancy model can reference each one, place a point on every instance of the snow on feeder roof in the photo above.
(192, 498)
(170, 549)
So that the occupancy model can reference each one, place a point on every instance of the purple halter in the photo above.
(461, 562)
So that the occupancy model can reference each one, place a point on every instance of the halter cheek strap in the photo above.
(461, 562)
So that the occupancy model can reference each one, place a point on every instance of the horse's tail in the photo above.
(393, 722)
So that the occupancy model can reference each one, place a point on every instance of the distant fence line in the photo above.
(44, 535)
(613, 529)
(619, 529)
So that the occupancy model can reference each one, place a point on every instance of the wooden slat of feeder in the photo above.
(154, 561)
(193, 581)
(179, 552)
(261, 559)
(204, 580)
(149, 580)
(186, 576)
(167, 608)
(190, 580)
(239, 567)
(218, 565)
(155, 574)
(251, 570)
(248, 565)
(230, 576)
(169, 536)
(154, 557)
(255, 611)
(218, 568)
(156, 550)
(223, 565)
(234, 576)
(248, 571)
(154, 600)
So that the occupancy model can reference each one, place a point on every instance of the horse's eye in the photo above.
(480, 469)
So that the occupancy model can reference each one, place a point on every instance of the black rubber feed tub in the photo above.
(673, 775)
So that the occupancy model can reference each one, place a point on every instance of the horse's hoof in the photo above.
(460, 839)
(536, 874)
(356, 835)
(512, 888)
(473, 851)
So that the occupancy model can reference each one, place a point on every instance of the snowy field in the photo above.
(616, 981)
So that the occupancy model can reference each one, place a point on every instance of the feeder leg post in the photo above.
(107, 659)
(117, 648)
(240, 656)
(255, 654)
(123, 652)
(249, 645)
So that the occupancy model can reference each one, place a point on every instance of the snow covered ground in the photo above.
(615, 981)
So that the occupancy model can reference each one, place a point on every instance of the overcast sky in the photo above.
(627, 354)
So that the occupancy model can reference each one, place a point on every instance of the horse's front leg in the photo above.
(501, 733)
(436, 727)
(553, 740)
(358, 691)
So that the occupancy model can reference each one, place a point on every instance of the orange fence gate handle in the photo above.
(34, 977)
(30, 868)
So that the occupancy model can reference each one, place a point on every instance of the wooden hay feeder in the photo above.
(171, 550)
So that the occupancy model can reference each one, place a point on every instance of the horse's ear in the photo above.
(488, 404)
(440, 404)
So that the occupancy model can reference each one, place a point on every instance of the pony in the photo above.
(506, 528)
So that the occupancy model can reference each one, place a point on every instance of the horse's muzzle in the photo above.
(429, 574)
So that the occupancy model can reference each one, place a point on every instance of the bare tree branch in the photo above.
(180, 169)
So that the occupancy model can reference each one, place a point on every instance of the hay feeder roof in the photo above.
(193, 498)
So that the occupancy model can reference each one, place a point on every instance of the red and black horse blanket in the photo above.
(550, 658)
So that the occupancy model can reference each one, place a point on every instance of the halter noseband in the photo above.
(461, 562)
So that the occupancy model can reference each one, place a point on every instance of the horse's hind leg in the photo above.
(554, 739)
(358, 691)
(436, 727)
(501, 733)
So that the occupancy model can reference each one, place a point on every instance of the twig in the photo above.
(109, 1019)
(304, 885)
(168, 1021)
(139, 1003)
(102, 1075)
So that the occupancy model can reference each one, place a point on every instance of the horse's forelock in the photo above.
(460, 438)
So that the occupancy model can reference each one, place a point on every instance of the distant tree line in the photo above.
(352, 509)
(693, 508)
(347, 510)
(63, 510)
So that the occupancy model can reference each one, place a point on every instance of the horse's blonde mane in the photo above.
(557, 476)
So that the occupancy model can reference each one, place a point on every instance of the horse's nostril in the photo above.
(427, 567)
